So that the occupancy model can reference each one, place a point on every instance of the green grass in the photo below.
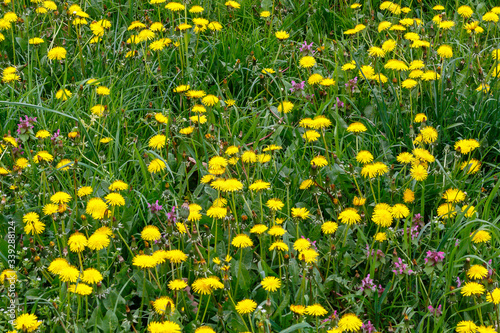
(228, 64)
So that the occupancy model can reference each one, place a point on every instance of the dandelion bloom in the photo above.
(144, 261)
(157, 141)
(400, 211)
(150, 233)
(397, 65)
(50, 209)
(429, 134)
(375, 51)
(364, 157)
(258, 229)
(384, 25)
(471, 167)
(409, 83)
(282, 35)
(481, 236)
(358, 201)
(77, 242)
(477, 272)
(380, 237)
(349, 216)
(493, 296)
(177, 285)
(285, 107)
(423, 155)
(279, 245)
(311, 136)
(329, 227)
(259, 185)
(210, 100)
(382, 217)
(69, 273)
(307, 62)
(115, 199)
(63, 94)
(275, 204)
(27, 322)
(91, 276)
(301, 244)
(162, 304)
(301, 213)
(315, 79)
(277, 230)
(374, 169)
(350, 322)
(164, 326)
(176, 256)
(490, 17)
(60, 197)
(57, 53)
(319, 161)
(246, 306)
(298, 309)
(466, 326)
(389, 45)
(472, 288)
(156, 165)
(315, 310)
(57, 265)
(466, 146)
(356, 128)
(454, 195)
(271, 283)
(445, 51)
(242, 241)
(31, 217)
(81, 289)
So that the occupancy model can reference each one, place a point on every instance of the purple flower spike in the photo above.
(155, 208)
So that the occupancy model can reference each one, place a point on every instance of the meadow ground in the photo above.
(249, 166)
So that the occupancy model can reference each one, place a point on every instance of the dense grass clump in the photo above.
(254, 166)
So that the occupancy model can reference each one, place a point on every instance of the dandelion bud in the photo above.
(31, 240)
(36, 259)
(83, 217)
(244, 218)
(287, 256)
(52, 244)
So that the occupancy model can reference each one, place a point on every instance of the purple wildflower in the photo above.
(434, 257)
(401, 268)
(172, 215)
(26, 124)
(367, 283)
(55, 136)
(380, 290)
(154, 208)
(368, 327)
(296, 86)
(306, 48)
(339, 104)
(352, 84)
(459, 283)
(435, 311)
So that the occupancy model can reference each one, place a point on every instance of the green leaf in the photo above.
(296, 327)
(110, 322)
